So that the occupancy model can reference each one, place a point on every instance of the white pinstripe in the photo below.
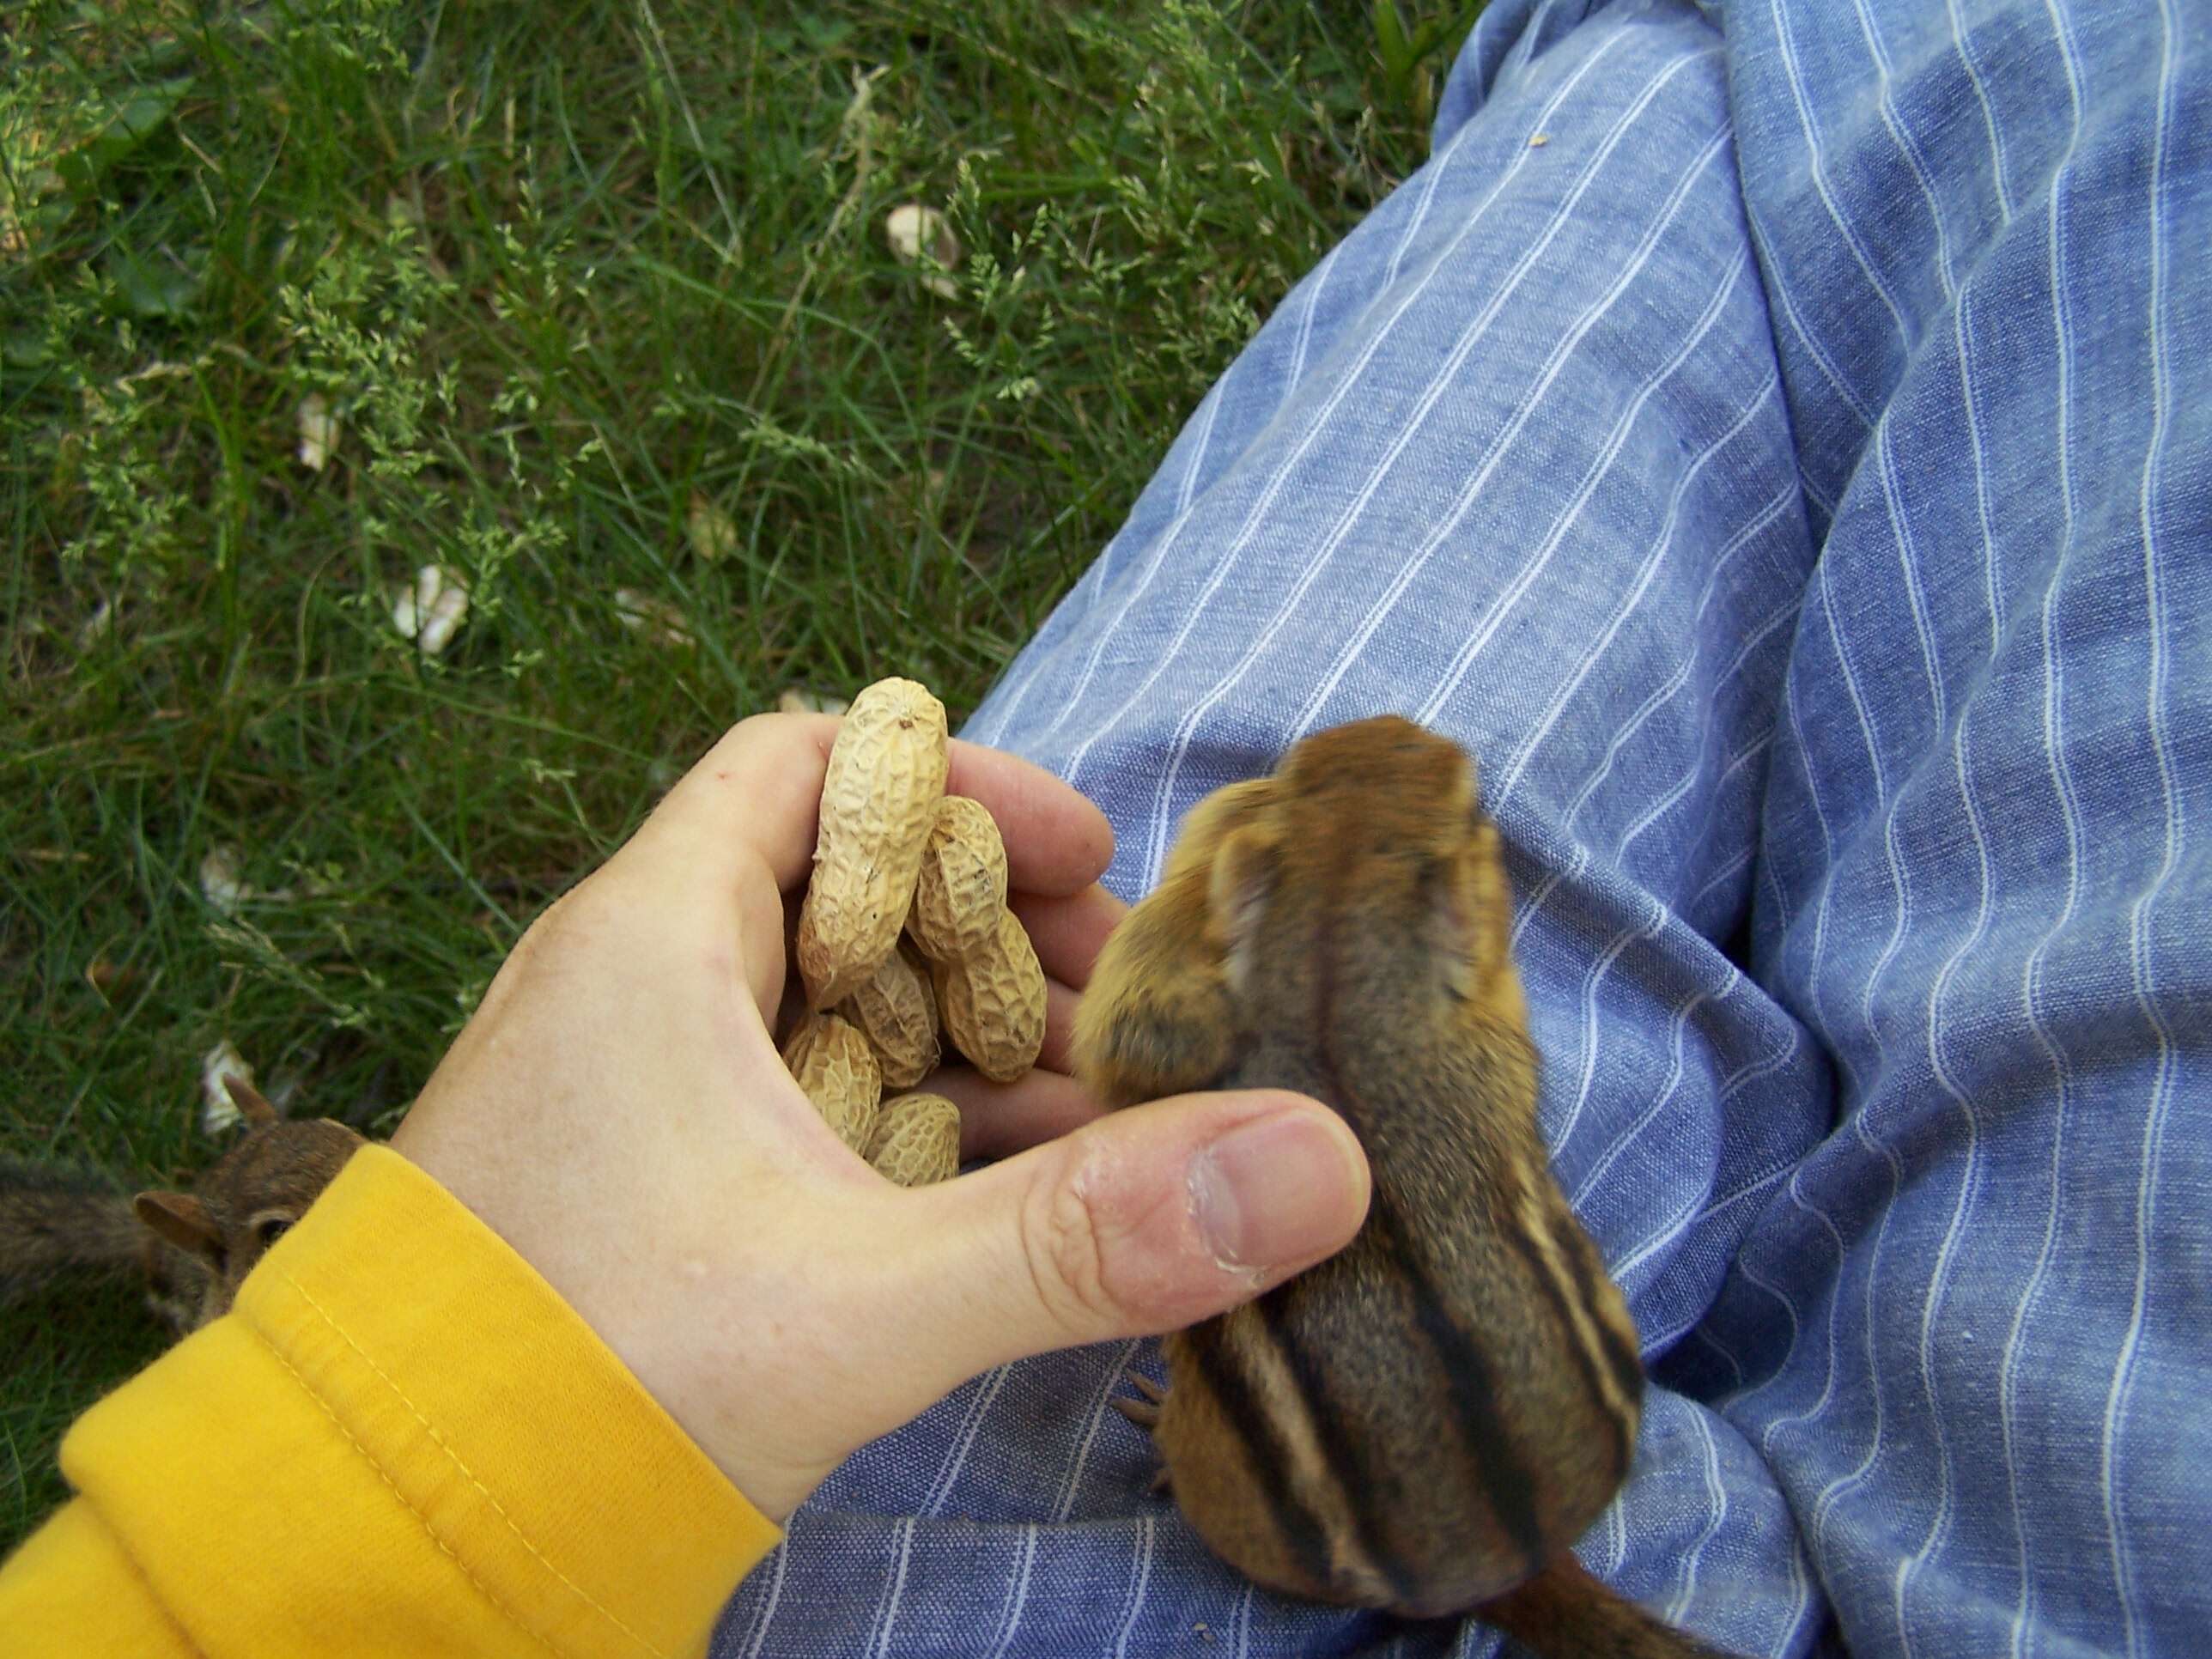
(2063, 784)
(1900, 885)
(1211, 413)
(1420, 216)
(1800, 1606)
(1759, 743)
(1600, 464)
(2139, 946)
(1661, 695)
(1306, 336)
(1834, 1492)
(1964, 41)
(1657, 810)
(1813, 978)
(1908, 560)
(1901, 136)
(1717, 1510)
(1700, 1334)
(1677, 1033)
(1796, 77)
(971, 1423)
(1589, 1020)
(1018, 1593)
(1096, 1417)
(1517, 60)
(1909, 1570)
(887, 1604)
(1140, 1575)
(1778, 293)
(1752, 1071)
(1969, 1181)
(782, 1558)
(1823, 577)
(1554, 361)
(1776, 896)
(1961, 344)
(1794, 1188)
(1656, 1341)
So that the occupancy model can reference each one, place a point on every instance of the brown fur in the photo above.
(1426, 1421)
(193, 1247)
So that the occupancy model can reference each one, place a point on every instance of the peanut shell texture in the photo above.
(961, 890)
(879, 795)
(991, 1002)
(897, 1011)
(836, 1070)
(916, 1140)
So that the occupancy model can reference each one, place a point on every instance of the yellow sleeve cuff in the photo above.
(403, 1441)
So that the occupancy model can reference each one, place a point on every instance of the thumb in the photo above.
(1147, 1220)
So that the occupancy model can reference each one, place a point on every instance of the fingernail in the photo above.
(1273, 1191)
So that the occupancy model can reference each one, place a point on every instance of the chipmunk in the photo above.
(1426, 1421)
(194, 1249)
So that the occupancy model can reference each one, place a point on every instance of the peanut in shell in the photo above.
(897, 1011)
(961, 890)
(992, 1000)
(879, 795)
(836, 1070)
(916, 1140)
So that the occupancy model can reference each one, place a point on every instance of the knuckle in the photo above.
(1065, 1247)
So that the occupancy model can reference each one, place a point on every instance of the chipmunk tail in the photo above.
(1564, 1612)
(54, 1222)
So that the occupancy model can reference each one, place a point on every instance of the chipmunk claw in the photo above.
(1145, 1414)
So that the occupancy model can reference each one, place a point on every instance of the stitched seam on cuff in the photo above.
(483, 1491)
(422, 1519)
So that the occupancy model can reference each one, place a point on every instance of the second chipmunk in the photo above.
(194, 1248)
(1426, 1421)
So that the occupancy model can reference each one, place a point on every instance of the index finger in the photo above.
(758, 794)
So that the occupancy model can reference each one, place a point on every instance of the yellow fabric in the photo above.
(401, 1441)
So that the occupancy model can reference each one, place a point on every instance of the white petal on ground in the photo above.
(219, 882)
(910, 229)
(431, 611)
(657, 619)
(319, 432)
(221, 886)
(218, 1111)
(96, 627)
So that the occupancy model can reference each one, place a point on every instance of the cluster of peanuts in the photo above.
(905, 941)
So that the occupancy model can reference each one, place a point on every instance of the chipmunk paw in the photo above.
(1145, 1414)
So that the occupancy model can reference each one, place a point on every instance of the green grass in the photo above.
(568, 274)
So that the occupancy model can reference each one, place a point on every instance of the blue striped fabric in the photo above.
(1776, 439)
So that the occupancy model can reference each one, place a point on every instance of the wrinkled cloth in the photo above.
(1775, 438)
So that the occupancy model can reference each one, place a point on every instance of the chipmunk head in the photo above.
(248, 1199)
(1384, 809)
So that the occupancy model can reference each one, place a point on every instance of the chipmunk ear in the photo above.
(1471, 911)
(183, 1220)
(1244, 871)
(253, 1105)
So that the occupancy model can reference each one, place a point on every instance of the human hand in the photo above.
(617, 1112)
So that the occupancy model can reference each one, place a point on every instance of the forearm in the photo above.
(401, 1439)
